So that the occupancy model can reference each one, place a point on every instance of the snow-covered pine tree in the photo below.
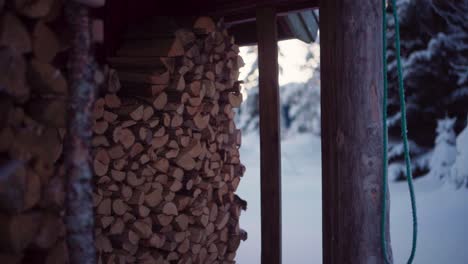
(247, 118)
(445, 151)
(299, 101)
(247, 115)
(459, 173)
(434, 37)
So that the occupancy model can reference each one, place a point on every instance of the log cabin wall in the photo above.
(166, 149)
(33, 92)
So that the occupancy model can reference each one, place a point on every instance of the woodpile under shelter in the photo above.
(148, 90)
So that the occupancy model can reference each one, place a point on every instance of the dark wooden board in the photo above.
(270, 150)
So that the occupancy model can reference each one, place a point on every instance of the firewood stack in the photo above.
(34, 42)
(33, 91)
(166, 149)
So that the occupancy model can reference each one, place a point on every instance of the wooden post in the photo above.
(351, 90)
(79, 218)
(270, 152)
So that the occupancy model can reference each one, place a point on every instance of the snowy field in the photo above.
(443, 212)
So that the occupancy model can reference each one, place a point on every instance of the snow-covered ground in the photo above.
(442, 211)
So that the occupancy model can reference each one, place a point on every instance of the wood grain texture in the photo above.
(351, 98)
(270, 151)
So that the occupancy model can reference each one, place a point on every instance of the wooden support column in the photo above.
(351, 99)
(270, 152)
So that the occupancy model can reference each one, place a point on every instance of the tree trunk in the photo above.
(351, 75)
(79, 207)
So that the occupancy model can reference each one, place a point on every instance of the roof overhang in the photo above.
(302, 25)
(296, 18)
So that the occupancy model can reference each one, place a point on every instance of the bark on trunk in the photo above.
(79, 207)
(351, 85)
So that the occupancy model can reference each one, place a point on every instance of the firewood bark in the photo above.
(79, 213)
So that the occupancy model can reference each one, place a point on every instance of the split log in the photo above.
(113, 81)
(34, 9)
(58, 254)
(206, 24)
(12, 186)
(50, 111)
(50, 230)
(32, 193)
(14, 34)
(46, 43)
(18, 231)
(13, 77)
(28, 144)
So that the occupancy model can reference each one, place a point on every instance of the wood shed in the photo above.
(119, 128)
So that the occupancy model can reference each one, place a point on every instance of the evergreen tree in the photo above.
(444, 153)
(434, 49)
(299, 101)
(459, 173)
(247, 114)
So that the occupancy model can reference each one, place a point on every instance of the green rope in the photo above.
(409, 177)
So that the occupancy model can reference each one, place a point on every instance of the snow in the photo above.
(442, 211)
(460, 168)
(445, 151)
(291, 59)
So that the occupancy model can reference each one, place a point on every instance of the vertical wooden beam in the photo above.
(351, 99)
(270, 152)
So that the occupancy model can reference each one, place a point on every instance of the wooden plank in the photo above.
(351, 99)
(270, 152)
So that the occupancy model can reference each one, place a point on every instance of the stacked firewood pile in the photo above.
(33, 91)
(166, 149)
(34, 49)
